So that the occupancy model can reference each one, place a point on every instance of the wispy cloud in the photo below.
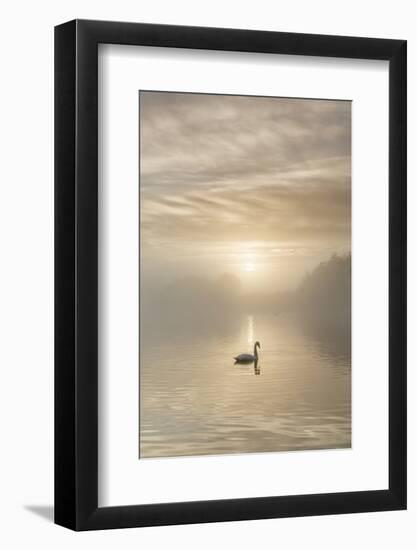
(235, 169)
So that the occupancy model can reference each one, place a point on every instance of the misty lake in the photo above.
(194, 400)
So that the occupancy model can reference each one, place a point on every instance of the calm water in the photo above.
(195, 401)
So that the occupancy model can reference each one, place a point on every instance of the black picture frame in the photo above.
(76, 272)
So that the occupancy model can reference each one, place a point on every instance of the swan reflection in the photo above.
(245, 364)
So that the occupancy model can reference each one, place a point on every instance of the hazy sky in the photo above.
(256, 187)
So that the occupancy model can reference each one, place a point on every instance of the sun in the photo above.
(249, 267)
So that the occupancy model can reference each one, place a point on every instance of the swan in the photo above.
(248, 357)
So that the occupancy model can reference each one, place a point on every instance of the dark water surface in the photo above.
(195, 401)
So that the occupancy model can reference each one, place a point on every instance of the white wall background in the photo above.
(26, 273)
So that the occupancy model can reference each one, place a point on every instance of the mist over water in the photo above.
(194, 399)
(245, 226)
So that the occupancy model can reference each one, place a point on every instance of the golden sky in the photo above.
(256, 187)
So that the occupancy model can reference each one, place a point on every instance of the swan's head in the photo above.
(257, 345)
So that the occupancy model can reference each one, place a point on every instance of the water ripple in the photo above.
(195, 401)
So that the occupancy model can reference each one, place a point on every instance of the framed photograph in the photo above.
(230, 255)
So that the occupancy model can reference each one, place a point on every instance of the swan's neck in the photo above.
(255, 351)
